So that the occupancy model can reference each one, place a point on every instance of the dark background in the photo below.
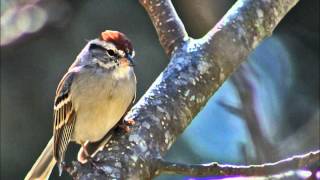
(40, 39)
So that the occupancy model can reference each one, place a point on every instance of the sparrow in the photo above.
(91, 98)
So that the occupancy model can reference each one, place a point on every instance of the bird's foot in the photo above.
(125, 126)
(85, 157)
(130, 122)
(83, 154)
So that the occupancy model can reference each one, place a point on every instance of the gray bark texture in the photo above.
(197, 68)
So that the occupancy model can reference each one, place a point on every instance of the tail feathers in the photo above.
(42, 168)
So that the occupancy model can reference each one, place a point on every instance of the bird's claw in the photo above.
(129, 122)
(125, 128)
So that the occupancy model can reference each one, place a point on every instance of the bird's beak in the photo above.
(126, 61)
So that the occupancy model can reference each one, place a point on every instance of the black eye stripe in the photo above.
(97, 47)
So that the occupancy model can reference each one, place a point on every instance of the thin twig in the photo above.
(215, 169)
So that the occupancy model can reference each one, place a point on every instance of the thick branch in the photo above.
(215, 169)
(168, 25)
(246, 24)
(194, 73)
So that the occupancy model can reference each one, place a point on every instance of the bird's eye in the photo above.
(111, 52)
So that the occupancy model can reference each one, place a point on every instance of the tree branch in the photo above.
(168, 25)
(196, 70)
(246, 24)
(247, 94)
(215, 169)
(237, 111)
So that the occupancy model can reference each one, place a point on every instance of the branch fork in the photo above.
(197, 68)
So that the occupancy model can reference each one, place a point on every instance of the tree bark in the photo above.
(197, 68)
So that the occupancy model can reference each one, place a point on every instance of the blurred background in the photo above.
(269, 109)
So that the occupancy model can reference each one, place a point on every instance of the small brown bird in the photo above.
(90, 99)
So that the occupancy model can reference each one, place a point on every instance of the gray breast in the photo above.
(100, 100)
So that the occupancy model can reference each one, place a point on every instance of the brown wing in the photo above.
(64, 117)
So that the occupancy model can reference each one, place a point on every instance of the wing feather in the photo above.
(64, 117)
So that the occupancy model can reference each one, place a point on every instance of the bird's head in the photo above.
(110, 51)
